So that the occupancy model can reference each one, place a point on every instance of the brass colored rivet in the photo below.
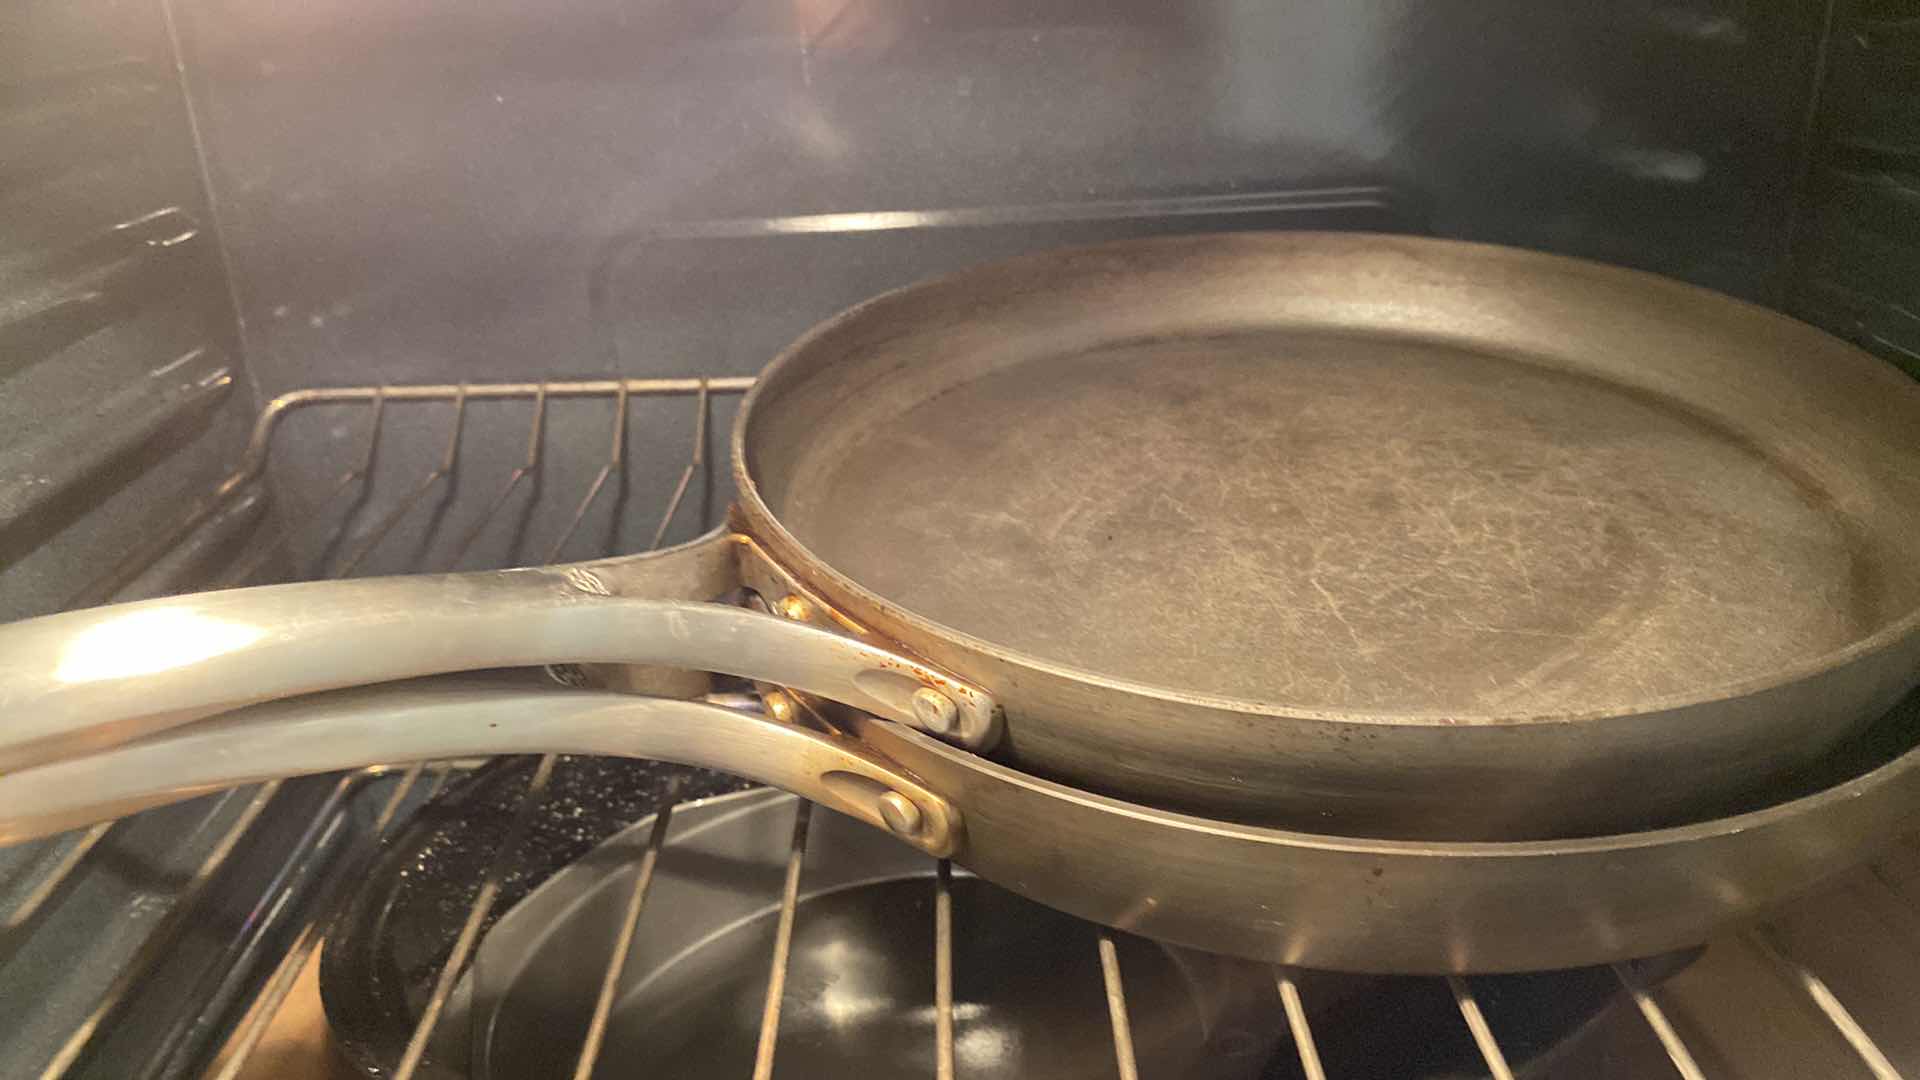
(900, 814)
(795, 608)
(935, 711)
(779, 705)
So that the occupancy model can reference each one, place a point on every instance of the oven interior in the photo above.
(307, 291)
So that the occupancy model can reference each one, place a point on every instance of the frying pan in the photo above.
(1366, 535)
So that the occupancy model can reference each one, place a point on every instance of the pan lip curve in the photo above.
(1708, 830)
(809, 567)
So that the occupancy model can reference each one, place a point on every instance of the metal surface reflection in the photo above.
(146, 641)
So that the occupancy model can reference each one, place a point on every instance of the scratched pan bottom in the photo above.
(1341, 521)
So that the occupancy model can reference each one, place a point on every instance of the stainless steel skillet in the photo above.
(1376, 535)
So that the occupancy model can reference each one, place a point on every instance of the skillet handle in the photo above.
(437, 719)
(82, 681)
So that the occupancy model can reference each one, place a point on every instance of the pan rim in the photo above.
(1705, 830)
(810, 568)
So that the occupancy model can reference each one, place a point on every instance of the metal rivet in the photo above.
(900, 814)
(936, 711)
(778, 705)
(795, 608)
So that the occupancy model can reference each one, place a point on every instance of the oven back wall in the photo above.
(423, 190)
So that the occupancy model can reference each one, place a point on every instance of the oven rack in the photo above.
(361, 523)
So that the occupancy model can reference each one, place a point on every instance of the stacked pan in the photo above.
(1357, 602)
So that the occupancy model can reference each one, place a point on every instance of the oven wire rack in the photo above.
(268, 558)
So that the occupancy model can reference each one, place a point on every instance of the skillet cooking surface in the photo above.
(1339, 520)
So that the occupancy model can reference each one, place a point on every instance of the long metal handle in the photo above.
(83, 681)
(432, 720)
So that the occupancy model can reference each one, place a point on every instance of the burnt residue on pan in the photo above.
(379, 964)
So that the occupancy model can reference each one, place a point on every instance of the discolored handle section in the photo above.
(433, 719)
(84, 681)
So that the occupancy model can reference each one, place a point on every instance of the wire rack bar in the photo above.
(539, 394)
(355, 475)
(232, 972)
(694, 462)
(281, 892)
(427, 483)
(336, 894)
(643, 877)
(1477, 1024)
(266, 914)
(1123, 1056)
(782, 945)
(622, 944)
(163, 935)
(142, 556)
(535, 443)
(1297, 1023)
(943, 971)
(615, 464)
(259, 443)
(331, 909)
(1766, 941)
(1656, 1017)
(463, 946)
(483, 391)
(185, 566)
